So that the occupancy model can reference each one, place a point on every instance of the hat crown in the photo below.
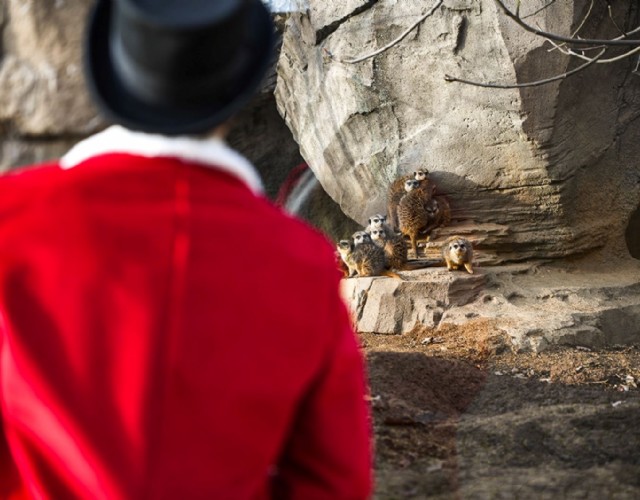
(177, 14)
(177, 66)
(164, 50)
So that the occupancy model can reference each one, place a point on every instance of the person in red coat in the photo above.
(165, 331)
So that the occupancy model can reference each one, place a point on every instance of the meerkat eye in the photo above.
(455, 246)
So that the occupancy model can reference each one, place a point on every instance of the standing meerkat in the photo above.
(397, 190)
(395, 248)
(458, 251)
(412, 213)
(363, 257)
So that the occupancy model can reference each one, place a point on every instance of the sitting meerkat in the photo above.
(363, 257)
(397, 190)
(412, 213)
(340, 261)
(345, 251)
(457, 252)
(395, 248)
(438, 213)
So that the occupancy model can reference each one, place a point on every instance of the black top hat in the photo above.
(177, 67)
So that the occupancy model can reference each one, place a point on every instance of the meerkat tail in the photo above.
(391, 274)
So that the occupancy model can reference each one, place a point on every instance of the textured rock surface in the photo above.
(554, 166)
(390, 306)
(41, 86)
(536, 306)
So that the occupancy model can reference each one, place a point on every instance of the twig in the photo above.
(613, 21)
(539, 10)
(570, 52)
(584, 20)
(537, 83)
(580, 26)
(389, 45)
(559, 38)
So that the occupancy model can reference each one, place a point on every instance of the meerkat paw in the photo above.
(468, 268)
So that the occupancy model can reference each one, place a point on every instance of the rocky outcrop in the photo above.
(533, 305)
(553, 167)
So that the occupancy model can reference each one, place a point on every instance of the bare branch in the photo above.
(537, 83)
(559, 38)
(570, 52)
(540, 9)
(389, 45)
(614, 22)
(584, 20)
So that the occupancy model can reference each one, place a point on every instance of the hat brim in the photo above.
(123, 107)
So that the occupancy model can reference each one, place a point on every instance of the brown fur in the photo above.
(340, 262)
(438, 213)
(412, 213)
(458, 252)
(397, 190)
(363, 257)
(395, 248)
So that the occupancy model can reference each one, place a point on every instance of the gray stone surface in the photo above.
(42, 91)
(554, 166)
(537, 306)
(391, 306)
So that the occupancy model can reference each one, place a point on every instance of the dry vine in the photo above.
(389, 45)
(593, 44)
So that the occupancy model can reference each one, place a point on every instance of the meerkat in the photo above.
(438, 213)
(458, 251)
(412, 213)
(340, 261)
(345, 251)
(379, 221)
(395, 248)
(397, 190)
(365, 257)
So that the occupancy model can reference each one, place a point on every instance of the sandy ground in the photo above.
(458, 415)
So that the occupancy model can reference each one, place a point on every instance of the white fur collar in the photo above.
(213, 152)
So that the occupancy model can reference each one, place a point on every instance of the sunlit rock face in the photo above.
(541, 172)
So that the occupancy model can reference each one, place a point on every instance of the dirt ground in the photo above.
(458, 415)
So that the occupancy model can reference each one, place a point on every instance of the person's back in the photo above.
(167, 333)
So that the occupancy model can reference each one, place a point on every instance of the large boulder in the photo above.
(42, 89)
(553, 170)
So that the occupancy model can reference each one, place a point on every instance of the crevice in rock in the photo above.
(632, 234)
(461, 37)
(324, 33)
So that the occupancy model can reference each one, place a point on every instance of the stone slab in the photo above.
(536, 306)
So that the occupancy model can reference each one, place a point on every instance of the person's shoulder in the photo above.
(297, 239)
(29, 179)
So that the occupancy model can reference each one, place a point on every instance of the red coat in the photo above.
(167, 333)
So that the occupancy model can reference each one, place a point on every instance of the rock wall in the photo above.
(539, 172)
